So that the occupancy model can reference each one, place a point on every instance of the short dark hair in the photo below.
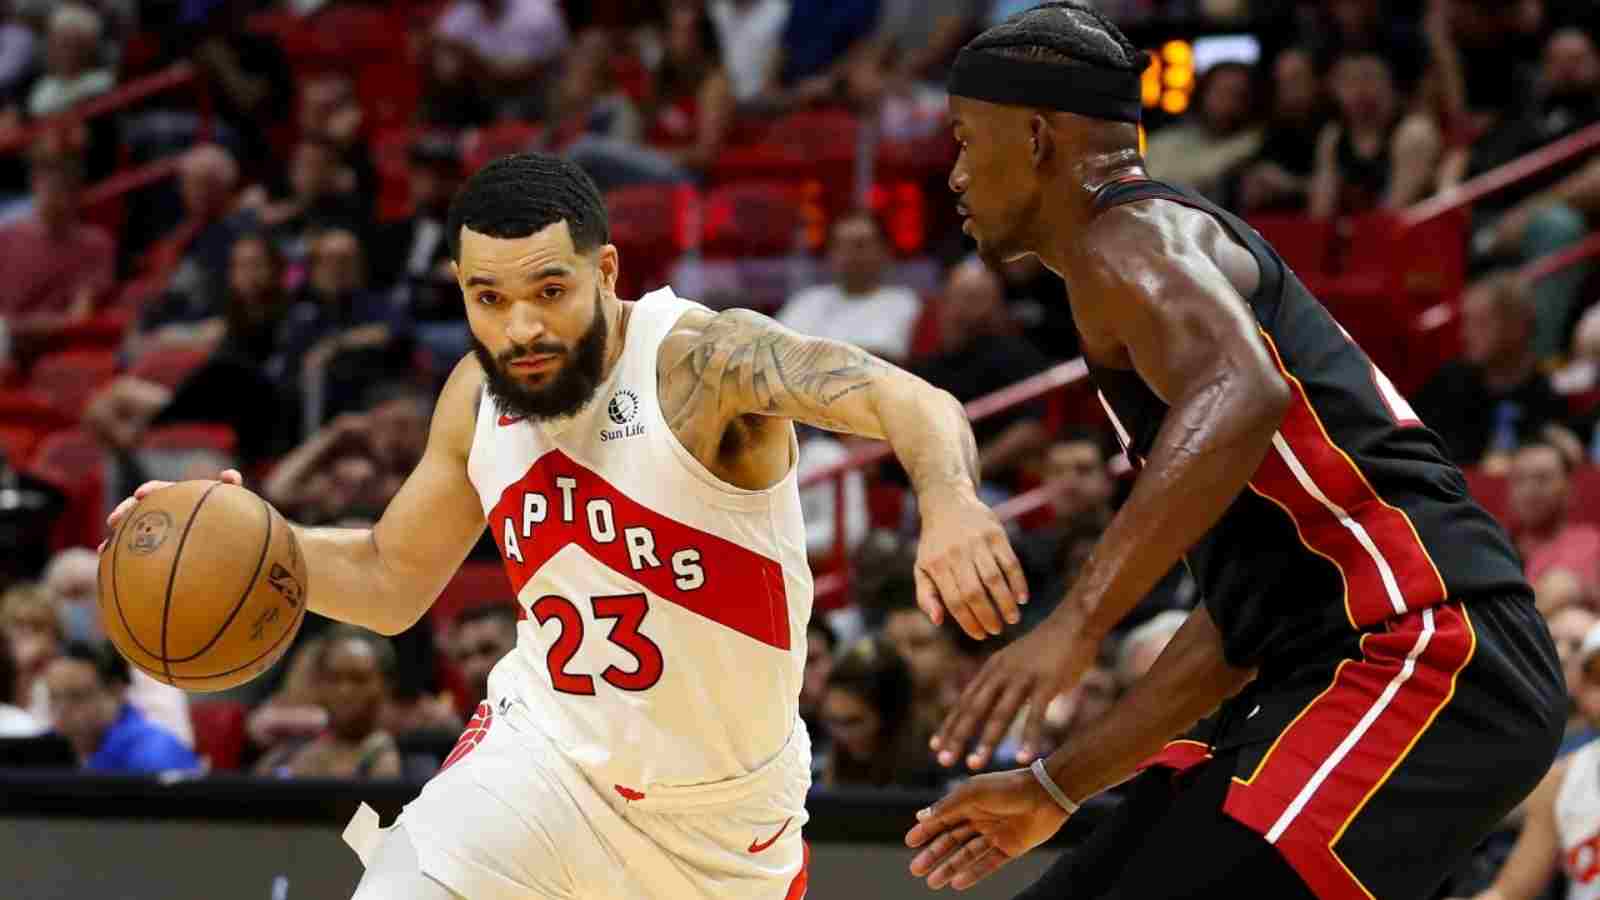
(382, 648)
(1065, 33)
(107, 663)
(518, 195)
(486, 612)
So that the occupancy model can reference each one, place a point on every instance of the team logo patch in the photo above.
(624, 407)
(623, 410)
(148, 532)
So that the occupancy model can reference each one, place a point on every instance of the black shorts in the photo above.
(1373, 772)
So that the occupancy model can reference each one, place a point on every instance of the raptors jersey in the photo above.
(664, 611)
(1578, 823)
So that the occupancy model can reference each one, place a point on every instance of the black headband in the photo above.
(1086, 90)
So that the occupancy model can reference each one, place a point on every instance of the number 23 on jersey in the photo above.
(627, 612)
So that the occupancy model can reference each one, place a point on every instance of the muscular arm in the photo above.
(1191, 337)
(1188, 680)
(720, 370)
(726, 378)
(385, 577)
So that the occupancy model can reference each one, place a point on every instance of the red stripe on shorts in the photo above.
(1342, 747)
(797, 887)
(472, 736)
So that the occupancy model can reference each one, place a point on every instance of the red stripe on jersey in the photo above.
(701, 572)
(1341, 749)
(797, 887)
(1179, 756)
(1385, 567)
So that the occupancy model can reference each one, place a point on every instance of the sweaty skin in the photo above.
(1158, 289)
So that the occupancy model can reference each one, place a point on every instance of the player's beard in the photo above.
(567, 391)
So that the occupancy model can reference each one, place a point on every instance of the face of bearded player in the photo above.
(538, 310)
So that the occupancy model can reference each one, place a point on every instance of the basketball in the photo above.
(203, 586)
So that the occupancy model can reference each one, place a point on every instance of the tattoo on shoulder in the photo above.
(742, 361)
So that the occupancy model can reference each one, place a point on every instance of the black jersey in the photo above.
(1355, 517)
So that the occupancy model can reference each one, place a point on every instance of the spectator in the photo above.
(587, 103)
(915, 43)
(687, 118)
(874, 739)
(249, 77)
(481, 636)
(1223, 132)
(1494, 397)
(1280, 174)
(821, 644)
(935, 655)
(74, 70)
(859, 307)
(15, 722)
(980, 352)
(1142, 645)
(197, 251)
(71, 587)
(1483, 56)
(818, 451)
(823, 40)
(330, 112)
(451, 95)
(353, 467)
(512, 43)
(1569, 625)
(229, 387)
(414, 250)
(339, 335)
(88, 686)
(1079, 467)
(56, 266)
(1377, 155)
(320, 194)
(29, 624)
(750, 33)
(1339, 27)
(1557, 831)
(355, 669)
(1540, 504)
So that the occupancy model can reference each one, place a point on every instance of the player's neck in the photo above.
(1072, 202)
(617, 316)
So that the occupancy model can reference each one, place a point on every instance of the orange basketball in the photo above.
(203, 586)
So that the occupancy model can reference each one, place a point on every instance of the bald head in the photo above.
(973, 305)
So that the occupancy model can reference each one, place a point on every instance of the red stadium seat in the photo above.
(219, 733)
(19, 442)
(220, 438)
(752, 219)
(69, 453)
(168, 367)
(103, 331)
(1585, 501)
(810, 144)
(74, 461)
(1493, 493)
(28, 408)
(650, 225)
(1306, 244)
(69, 378)
(474, 583)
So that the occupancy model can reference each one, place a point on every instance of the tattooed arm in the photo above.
(727, 379)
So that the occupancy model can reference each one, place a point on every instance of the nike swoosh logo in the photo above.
(758, 846)
(510, 420)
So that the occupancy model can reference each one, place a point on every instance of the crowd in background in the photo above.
(318, 319)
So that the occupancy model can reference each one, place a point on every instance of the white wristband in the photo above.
(1050, 788)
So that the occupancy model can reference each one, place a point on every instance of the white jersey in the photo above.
(664, 611)
(1578, 823)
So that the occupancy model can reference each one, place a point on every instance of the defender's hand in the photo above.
(228, 476)
(965, 564)
(1045, 662)
(982, 825)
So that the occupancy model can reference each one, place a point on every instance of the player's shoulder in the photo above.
(455, 416)
(1153, 241)
(706, 333)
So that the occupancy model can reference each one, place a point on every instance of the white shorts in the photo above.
(509, 817)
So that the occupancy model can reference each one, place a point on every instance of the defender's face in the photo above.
(993, 177)
(536, 307)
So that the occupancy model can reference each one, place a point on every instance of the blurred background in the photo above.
(222, 243)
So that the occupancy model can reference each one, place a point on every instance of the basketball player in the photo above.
(1562, 828)
(635, 463)
(1405, 692)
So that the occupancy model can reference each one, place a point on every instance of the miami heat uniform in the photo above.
(643, 740)
(1408, 694)
(1578, 823)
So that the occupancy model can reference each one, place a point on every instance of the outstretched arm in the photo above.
(740, 369)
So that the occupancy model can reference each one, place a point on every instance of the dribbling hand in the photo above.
(965, 565)
(228, 476)
(983, 824)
